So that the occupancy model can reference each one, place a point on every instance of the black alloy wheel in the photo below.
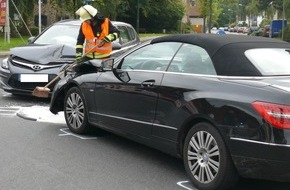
(206, 159)
(75, 111)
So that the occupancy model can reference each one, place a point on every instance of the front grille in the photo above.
(15, 83)
(23, 63)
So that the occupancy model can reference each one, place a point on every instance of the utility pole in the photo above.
(137, 24)
(39, 16)
(210, 16)
(7, 27)
(283, 21)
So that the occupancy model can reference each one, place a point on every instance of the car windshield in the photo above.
(59, 34)
(270, 61)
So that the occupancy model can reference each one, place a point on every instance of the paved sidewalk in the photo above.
(4, 54)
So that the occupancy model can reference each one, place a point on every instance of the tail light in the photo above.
(277, 115)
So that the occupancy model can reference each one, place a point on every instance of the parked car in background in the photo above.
(47, 54)
(252, 29)
(219, 102)
(231, 29)
(241, 29)
(235, 28)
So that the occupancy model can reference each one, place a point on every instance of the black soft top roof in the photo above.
(213, 42)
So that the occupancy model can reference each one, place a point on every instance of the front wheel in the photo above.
(206, 159)
(75, 111)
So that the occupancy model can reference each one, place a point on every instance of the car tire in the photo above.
(75, 111)
(206, 159)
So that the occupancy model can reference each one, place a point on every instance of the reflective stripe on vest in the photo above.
(94, 44)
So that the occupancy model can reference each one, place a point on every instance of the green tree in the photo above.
(154, 15)
(252, 10)
(22, 7)
(211, 10)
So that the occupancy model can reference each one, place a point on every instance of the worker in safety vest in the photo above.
(96, 32)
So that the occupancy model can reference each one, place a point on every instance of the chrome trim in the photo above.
(136, 121)
(220, 77)
(164, 126)
(258, 142)
(33, 66)
(36, 67)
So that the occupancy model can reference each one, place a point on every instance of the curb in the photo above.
(4, 54)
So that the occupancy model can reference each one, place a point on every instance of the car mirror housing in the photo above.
(31, 39)
(116, 45)
(107, 64)
(103, 65)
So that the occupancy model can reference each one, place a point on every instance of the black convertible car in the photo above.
(219, 102)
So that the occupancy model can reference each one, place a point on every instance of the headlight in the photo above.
(4, 63)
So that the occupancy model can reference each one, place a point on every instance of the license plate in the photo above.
(33, 77)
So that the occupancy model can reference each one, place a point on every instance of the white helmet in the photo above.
(86, 12)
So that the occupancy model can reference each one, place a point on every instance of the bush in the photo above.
(287, 34)
(257, 33)
(34, 31)
(187, 28)
(265, 22)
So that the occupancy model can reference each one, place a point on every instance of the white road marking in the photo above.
(9, 111)
(66, 133)
(181, 184)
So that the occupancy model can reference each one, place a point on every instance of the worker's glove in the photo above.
(106, 39)
(78, 57)
(109, 38)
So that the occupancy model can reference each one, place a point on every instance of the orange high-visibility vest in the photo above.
(93, 43)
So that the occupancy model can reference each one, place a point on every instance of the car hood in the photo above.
(44, 54)
(282, 83)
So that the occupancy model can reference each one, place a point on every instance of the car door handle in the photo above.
(148, 83)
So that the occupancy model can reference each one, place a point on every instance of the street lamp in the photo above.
(230, 15)
(239, 12)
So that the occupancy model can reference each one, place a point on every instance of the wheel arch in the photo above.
(188, 124)
(58, 104)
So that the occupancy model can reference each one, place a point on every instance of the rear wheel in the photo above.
(75, 111)
(206, 159)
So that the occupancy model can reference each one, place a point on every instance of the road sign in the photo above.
(3, 6)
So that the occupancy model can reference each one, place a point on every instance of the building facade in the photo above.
(193, 15)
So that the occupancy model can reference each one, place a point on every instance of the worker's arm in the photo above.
(80, 43)
(114, 30)
(114, 33)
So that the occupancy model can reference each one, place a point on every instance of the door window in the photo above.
(124, 34)
(151, 57)
(192, 59)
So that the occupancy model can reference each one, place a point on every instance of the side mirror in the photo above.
(103, 65)
(96, 63)
(107, 64)
(31, 39)
(116, 45)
